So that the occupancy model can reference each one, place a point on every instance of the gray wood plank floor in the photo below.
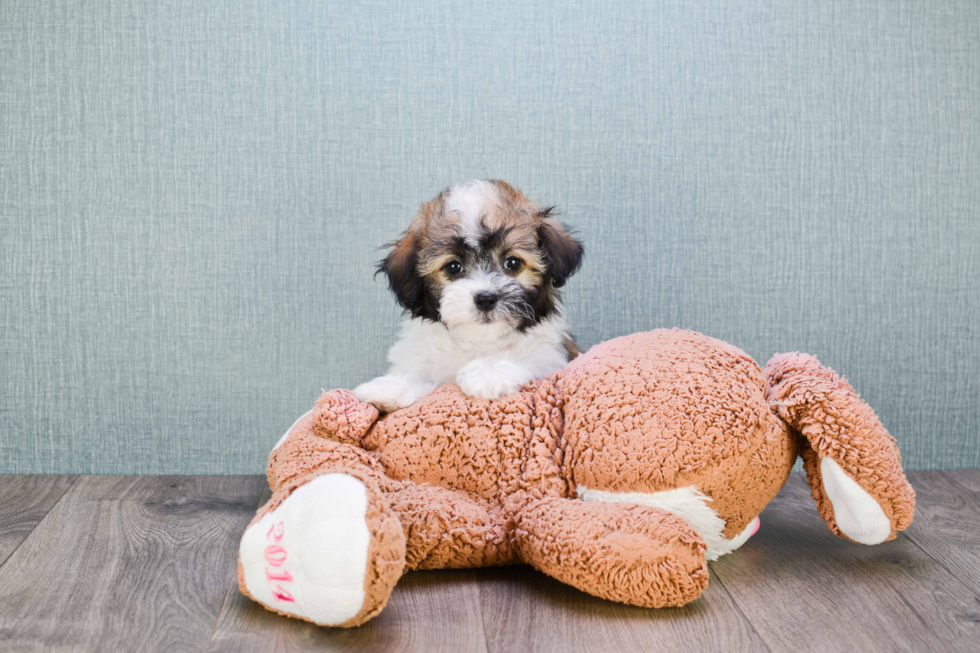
(148, 564)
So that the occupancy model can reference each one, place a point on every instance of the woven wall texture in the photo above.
(192, 195)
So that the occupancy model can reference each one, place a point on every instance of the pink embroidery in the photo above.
(285, 576)
(283, 595)
(275, 555)
(275, 532)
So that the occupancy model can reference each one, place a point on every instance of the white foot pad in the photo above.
(308, 557)
(856, 512)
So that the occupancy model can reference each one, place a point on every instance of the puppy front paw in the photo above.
(491, 380)
(391, 392)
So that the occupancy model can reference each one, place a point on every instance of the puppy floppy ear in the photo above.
(562, 253)
(401, 269)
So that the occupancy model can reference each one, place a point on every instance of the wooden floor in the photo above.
(148, 564)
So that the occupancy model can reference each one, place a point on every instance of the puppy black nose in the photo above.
(485, 300)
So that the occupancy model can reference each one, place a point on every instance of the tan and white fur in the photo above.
(477, 272)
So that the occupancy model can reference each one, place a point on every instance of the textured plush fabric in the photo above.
(670, 409)
(476, 482)
(835, 423)
(193, 193)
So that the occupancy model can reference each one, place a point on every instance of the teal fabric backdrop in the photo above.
(192, 195)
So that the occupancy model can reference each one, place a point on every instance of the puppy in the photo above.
(477, 272)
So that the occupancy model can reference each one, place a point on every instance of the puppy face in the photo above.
(482, 253)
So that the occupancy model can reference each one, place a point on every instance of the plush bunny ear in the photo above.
(342, 417)
(562, 253)
(852, 463)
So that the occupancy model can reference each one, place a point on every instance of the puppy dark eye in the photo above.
(453, 268)
(513, 264)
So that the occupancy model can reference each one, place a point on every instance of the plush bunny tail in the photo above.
(852, 464)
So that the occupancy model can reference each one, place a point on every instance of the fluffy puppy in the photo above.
(477, 272)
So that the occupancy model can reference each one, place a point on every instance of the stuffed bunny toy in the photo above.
(621, 475)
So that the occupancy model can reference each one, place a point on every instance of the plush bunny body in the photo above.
(622, 475)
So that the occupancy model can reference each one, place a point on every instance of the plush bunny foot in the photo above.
(327, 551)
(630, 553)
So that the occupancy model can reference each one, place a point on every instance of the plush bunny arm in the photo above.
(339, 415)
